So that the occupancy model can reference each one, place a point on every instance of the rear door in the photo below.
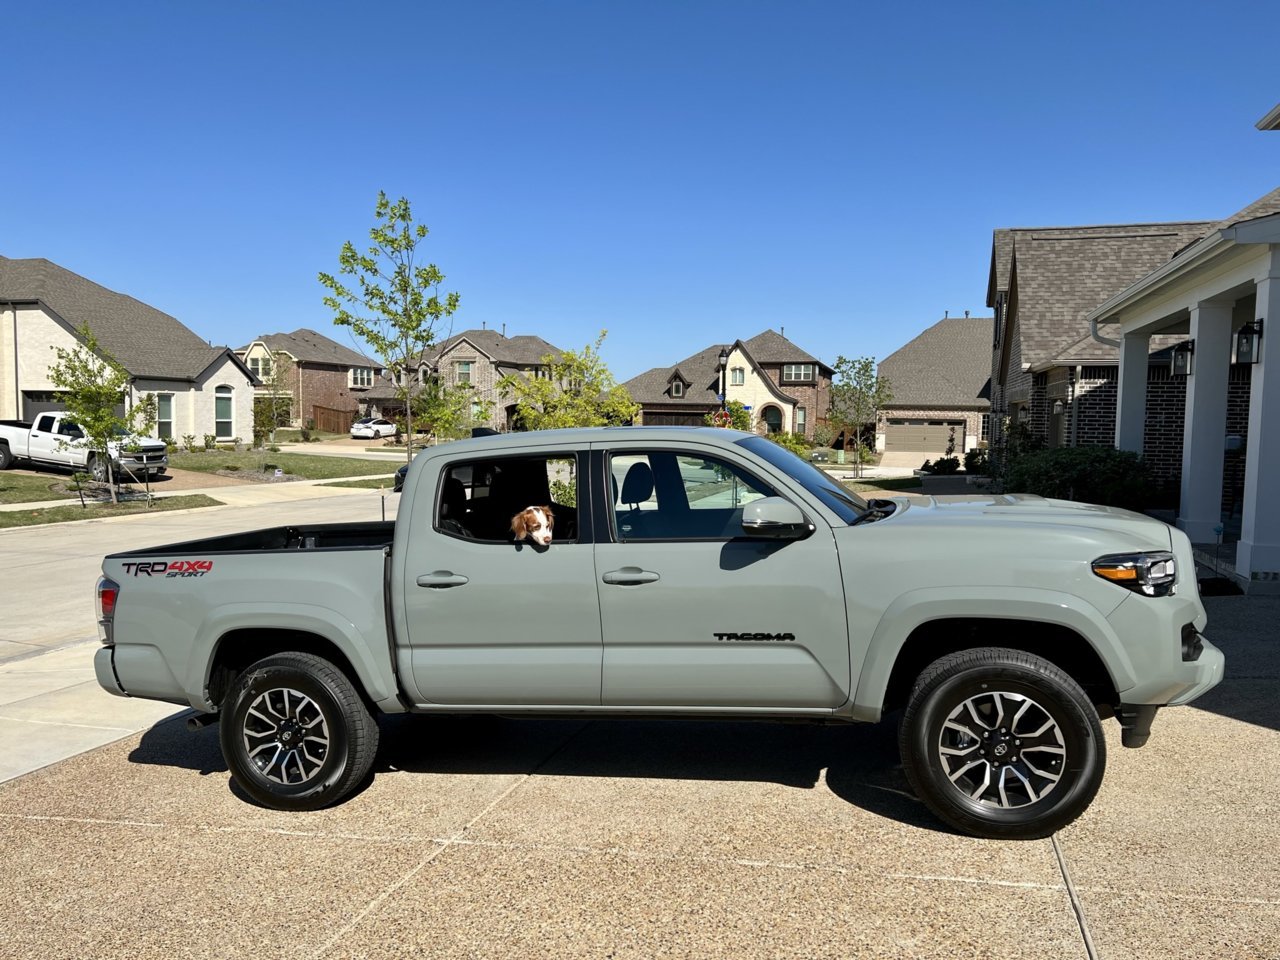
(694, 614)
(491, 621)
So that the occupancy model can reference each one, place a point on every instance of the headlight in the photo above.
(1151, 574)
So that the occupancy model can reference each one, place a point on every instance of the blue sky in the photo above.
(680, 173)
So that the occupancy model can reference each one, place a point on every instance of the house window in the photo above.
(362, 376)
(800, 420)
(797, 372)
(737, 376)
(463, 368)
(477, 411)
(260, 367)
(223, 426)
(677, 388)
(772, 418)
(164, 416)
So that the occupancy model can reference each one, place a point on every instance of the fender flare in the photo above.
(374, 676)
(917, 607)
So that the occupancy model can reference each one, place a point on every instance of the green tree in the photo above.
(734, 416)
(857, 394)
(451, 412)
(94, 385)
(395, 305)
(578, 391)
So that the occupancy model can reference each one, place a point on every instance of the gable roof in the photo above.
(771, 347)
(147, 342)
(520, 350)
(948, 365)
(1062, 273)
(1001, 261)
(307, 346)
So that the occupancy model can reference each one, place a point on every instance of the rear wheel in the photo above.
(1002, 744)
(6, 457)
(296, 734)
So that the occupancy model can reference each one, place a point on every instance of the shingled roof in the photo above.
(1063, 273)
(307, 346)
(949, 365)
(771, 347)
(516, 351)
(146, 342)
(702, 370)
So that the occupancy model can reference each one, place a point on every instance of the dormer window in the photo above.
(677, 388)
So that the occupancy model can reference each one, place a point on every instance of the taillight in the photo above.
(108, 593)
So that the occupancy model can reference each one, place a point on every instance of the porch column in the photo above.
(1259, 549)
(1205, 430)
(1131, 392)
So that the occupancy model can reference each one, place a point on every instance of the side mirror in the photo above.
(773, 518)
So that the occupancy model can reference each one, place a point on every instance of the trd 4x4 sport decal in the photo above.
(168, 568)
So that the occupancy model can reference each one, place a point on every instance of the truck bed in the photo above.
(371, 535)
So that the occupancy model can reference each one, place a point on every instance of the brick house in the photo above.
(325, 380)
(479, 358)
(199, 389)
(785, 388)
(939, 383)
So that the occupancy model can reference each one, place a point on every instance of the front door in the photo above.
(695, 614)
(491, 621)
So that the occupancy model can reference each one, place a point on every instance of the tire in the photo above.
(268, 712)
(6, 457)
(98, 468)
(963, 755)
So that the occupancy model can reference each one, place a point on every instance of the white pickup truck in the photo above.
(55, 440)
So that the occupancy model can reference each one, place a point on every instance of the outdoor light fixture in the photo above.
(1024, 413)
(724, 357)
(1248, 339)
(1182, 354)
(1058, 407)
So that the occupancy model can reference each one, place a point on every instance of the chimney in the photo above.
(966, 314)
(504, 330)
(946, 314)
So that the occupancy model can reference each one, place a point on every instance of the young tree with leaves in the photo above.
(395, 304)
(94, 385)
(451, 411)
(857, 394)
(578, 391)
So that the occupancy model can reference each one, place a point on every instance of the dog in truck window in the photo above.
(535, 524)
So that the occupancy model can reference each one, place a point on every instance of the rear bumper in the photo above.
(136, 670)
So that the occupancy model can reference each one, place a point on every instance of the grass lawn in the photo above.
(889, 483)
(373, 483)
(288, 435)
(96, 511)
(15, 488)
(302, 465)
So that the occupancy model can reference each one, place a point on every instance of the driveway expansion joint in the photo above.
(1076, 906)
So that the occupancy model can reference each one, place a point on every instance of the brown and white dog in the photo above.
(534, 523)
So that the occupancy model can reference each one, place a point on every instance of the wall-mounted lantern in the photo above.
(1248, 340)
(1058, 407)
(1183, 355)
(1024, 414)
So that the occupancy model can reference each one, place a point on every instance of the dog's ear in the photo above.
(520, 524)
(551, 517)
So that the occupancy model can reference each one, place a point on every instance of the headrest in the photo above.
(637, 486)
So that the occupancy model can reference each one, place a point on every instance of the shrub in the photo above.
(977, 461)
(564, 492)
(210, 441)
(794, 442)
(189, 442)
(946, 466)
(1103, 475)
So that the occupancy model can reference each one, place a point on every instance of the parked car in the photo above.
(55, 440)
(698, 573)
(371, 428)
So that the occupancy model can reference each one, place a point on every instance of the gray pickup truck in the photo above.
(694, 573)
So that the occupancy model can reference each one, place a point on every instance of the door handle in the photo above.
(630, 576)
(441, 578)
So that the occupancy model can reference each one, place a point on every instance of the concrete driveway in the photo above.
(548, 838)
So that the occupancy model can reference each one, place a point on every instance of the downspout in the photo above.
(1093, 331)
(1072, 387)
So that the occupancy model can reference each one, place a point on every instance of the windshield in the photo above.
(843, 501)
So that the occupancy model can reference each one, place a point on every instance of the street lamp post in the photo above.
(724, 360)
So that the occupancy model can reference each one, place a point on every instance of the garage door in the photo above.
(922, 436)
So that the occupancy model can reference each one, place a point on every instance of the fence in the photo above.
(329, 420)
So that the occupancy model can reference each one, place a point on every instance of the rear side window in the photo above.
(478, 499)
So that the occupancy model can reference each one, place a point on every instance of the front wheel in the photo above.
(1002, 744)
(98, 468)
(296, 734)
